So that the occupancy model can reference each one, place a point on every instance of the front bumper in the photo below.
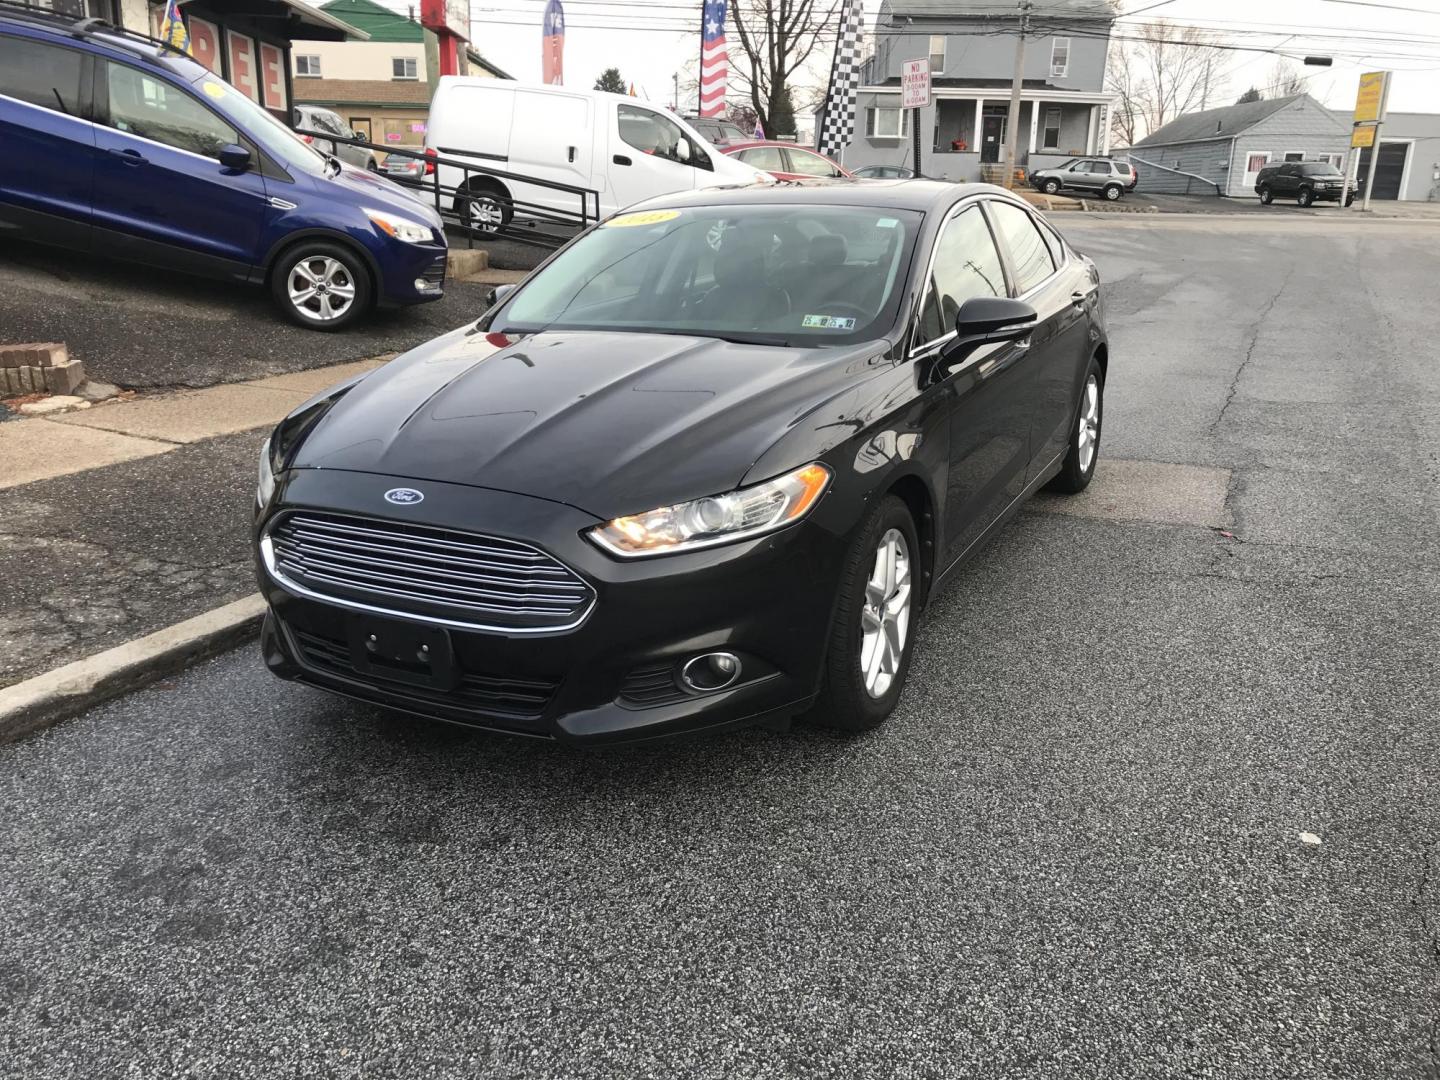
(403, 266)
(611, 679)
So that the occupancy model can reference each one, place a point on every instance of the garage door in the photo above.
(1389, 173)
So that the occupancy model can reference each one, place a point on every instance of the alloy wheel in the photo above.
(486, 213)
(885, 615)
(1087, 435)
(321, 288)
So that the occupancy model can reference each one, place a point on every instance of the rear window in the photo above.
(43, 75)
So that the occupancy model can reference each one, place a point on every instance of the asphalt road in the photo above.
(140, 327)
(1075, 851)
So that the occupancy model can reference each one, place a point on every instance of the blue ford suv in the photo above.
(117, 144)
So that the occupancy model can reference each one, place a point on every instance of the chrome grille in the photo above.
(483, 582)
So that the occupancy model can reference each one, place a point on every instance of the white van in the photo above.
(624, 148)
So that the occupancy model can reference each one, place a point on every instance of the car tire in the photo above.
(1266, 196)
(486, 209)
(1051, 187)
(1084, 450)
(311, 263)
(1305, 196)
(1113, 191)
(867, 621)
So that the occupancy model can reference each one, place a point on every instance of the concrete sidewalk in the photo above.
(47, 447)
(129, 517)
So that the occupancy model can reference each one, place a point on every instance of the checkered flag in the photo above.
(837, 123)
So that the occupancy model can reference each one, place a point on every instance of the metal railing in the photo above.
(1190, 178)
(523, 220)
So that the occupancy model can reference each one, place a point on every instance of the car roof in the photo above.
(919, 195)
(57, 28)
(772, 142)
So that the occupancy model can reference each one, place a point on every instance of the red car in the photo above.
(785, 161)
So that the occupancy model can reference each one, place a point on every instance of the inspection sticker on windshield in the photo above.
(649, 217)
(214, 89)
(827, 322)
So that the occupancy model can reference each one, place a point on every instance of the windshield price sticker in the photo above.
(649, 217)
(827, 322)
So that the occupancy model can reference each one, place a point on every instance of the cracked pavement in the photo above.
(1074, 852)
(152, 329)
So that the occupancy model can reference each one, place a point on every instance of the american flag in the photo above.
(714, 60)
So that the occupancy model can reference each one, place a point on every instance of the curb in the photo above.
(46, 700)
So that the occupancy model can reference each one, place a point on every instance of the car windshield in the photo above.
(1324, 168)
(278, 140)
(779, 275)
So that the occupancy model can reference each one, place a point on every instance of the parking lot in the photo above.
(1158, 801)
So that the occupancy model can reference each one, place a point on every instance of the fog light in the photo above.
(710, 671)
(421, 285)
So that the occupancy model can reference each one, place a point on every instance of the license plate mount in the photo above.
(403, 652)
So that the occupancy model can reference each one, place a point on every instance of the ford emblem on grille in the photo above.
(404, 496)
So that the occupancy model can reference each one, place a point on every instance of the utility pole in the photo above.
(1375, 146)
(675, 78)
(1205, 93)
(1012, 125)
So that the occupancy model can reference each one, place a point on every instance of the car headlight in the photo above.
(716, 519)
(411, 232)
(266, 487)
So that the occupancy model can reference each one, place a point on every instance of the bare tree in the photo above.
(778, 37)
(1285, 80)
(1158, 72)
(1126, 117)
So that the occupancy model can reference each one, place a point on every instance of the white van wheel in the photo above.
(484, 209)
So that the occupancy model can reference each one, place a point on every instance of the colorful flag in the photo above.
(552, 44)
(632, 90)
(759, 131)
(172, 29)
(837, 122)
(714, 60)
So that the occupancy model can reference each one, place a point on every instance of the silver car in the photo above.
(313, 119)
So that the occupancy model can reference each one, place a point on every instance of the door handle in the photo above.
(620, 159)
(129, 157)
(1080, 299)
(572, 155)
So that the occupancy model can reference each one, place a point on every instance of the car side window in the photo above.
(807, 164)
(966, 265)
(764, 157)
(653, 134)
(40, 74)
(156, 110)
(1029, 256)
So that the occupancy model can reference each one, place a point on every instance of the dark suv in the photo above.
(1303, 181)
(1111, 178)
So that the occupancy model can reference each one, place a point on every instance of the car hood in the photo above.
(375, 191)
(610, 423)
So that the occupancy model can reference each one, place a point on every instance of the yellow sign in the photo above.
(1363, 135)
(648, 217)
(213, 89)
(1367, 101)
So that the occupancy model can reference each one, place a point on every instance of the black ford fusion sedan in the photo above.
(704, 467)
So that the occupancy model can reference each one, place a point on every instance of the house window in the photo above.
(307, 66)
(403, 67)
(937, 53)
(1052, 130)
(1294, 155)
(1338, 160)
(887, 123)
(1059, 57)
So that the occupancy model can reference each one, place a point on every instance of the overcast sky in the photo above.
(650, 40)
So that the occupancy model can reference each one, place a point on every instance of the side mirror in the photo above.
(235, 158)
(994, 318)
(498, 293)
